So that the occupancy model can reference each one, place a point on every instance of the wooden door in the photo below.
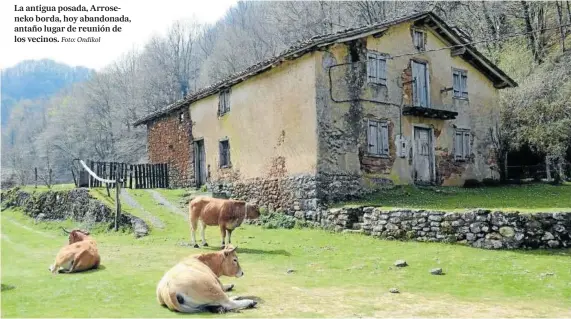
(423, 164)
(199, 163)
(420, 85)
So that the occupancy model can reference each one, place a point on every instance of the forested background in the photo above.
(65, 113)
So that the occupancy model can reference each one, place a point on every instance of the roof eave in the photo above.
(499, 78)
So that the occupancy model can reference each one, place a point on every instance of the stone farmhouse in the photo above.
(339, 115)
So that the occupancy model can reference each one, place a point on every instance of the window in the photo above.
(224, 102)
(181, 117)
(419, 40)
(224, 153)
(460, 83)
(421, 84)
(376, 68)
(378, 138)
(462, 145)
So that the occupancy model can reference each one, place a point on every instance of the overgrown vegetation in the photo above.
(292, 272)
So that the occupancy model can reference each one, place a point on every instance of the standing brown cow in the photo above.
(79, 255)
(228, 214)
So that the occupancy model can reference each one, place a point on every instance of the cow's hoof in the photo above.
(196, 246)
(205, 244)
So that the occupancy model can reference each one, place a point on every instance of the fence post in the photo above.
(36, 177)
(117, 203)
(130, 176)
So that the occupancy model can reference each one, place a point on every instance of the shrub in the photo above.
(273, 220)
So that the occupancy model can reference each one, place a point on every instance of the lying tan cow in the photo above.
(228, 214)
(79, 255)
(193, 285)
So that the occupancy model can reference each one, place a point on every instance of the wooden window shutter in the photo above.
(382, 71)
(228, 153)
(220, 154)
(466, 146)
(458, 146)
(385, 138)
(456, 83)
(228, 100)
(372, 137)
(370, 66)
(464, 85)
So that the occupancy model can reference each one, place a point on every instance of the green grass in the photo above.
(336, 275)
(523, 198)
(44, 188)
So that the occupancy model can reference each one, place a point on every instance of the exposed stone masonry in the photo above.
(478, 228)
(170, 141)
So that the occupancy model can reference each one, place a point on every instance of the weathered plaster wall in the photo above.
(271, 128)
(342, 126)
(169, 141)
(271, 125)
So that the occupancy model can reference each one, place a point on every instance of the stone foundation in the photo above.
(287, 194)
(339, 187)
(294, 195)
(478, 228)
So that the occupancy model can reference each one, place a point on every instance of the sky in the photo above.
(148, 18)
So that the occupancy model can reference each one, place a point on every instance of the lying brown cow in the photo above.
(79, 255)
(193, 285)
(226, 213)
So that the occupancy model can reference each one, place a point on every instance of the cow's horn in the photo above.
(67, 232)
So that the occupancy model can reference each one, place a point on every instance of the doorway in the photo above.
(423, 156)
(199, 163)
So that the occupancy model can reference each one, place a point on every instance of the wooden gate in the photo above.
(134, 176)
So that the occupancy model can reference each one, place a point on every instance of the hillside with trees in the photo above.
(93, 119)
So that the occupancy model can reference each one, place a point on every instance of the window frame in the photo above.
(466, 151)
(221, 143)
(224, 101)
(376, 76)
(460, 92)
(416, 101)
(382, 138)
(422, 37)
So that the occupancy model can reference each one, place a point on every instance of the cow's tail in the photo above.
(183, 304)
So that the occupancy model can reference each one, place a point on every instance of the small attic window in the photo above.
(419, 40)
(181, 117)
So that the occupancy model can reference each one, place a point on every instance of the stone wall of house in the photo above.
(286, 194)
(170, 141)
(478, 228)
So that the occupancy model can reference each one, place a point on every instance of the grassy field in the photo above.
(335, 275)
(523, 198)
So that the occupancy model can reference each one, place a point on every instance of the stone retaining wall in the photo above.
(478, 228)
(75, 204)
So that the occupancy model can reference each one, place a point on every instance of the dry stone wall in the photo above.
(478, 228)
(75, 204)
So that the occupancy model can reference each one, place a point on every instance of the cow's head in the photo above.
(230, 264)
(252, 211)
(76, 235)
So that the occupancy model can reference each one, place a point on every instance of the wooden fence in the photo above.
(135, 176)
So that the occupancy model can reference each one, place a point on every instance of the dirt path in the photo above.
(131, 201)
(163, 201)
